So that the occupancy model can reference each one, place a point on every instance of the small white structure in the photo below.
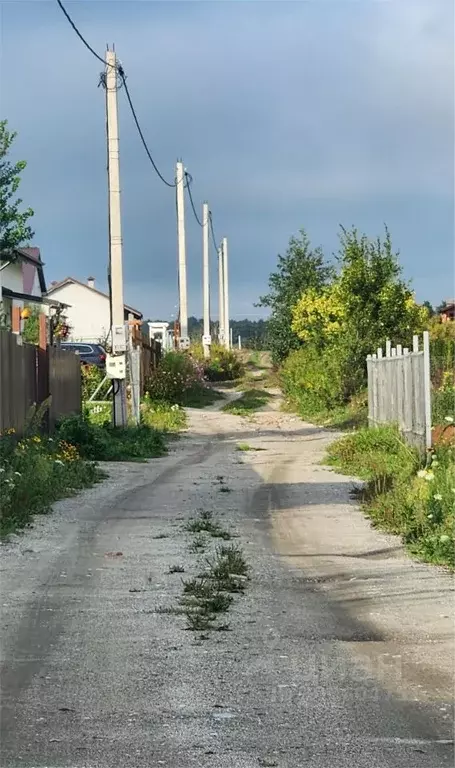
(88, 311)
(160, 332)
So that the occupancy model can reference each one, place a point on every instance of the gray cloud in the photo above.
(287, 114)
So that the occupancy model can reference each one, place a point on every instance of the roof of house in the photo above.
(55, 285)
(30, 254)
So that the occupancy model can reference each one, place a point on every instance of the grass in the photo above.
(205, 523)
(107, 443)
(244, 447)
(163, 416)
(352, 415)
(36, 471)
(206, 597)
(200, 398)
(176, 569)
(400, 495)
(198, 545)
(251, 400)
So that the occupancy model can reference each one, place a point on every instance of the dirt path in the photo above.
(339, 652)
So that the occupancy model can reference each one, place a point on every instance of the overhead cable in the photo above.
(122, 75)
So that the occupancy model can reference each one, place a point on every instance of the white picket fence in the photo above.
(399, 390)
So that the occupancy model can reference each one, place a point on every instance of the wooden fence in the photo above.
(399, 390)
(30, 375)
(65, 384)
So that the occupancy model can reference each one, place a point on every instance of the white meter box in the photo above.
(207, 339)
(116, 366)
(118, 339)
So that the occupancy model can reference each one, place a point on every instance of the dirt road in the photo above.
(339, 653)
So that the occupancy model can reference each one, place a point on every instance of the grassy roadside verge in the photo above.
(251, 400)
(353, 415)
(35, 472)
(401, 495)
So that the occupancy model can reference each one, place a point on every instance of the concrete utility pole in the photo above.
(227, 334)
(184, 341)
(206, 338)
(120, 416)
(220, 296)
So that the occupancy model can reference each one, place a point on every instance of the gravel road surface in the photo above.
(338, 655)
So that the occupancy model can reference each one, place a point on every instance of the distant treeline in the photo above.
(253, 333)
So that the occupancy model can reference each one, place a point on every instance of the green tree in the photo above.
(14, 229)
(367, 303)
(429, 307)
(300, 269)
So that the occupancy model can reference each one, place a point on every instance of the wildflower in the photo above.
(449, 419)
(422, 473)
(430, 517)
(437, 496)
(429, 477)
(58, 461)
(444, 539)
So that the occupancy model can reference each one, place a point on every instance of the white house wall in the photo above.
(12, 277)
(88, 314)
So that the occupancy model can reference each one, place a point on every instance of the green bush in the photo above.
(313, 380)
(92, 376)
(108, 443)
(177, 377)
(224, 365)
(400, 495)
(162, 416)
(36, 471)
(443, 404)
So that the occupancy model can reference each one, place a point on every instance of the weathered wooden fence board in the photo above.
(29, 375)
(399, 390)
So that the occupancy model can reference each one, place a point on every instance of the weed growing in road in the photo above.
(198, 544)
(161, 536)
(167, 610)
(176, 569)
(197, 621)
(205, 523)
(251, 400)
(246, 447)
(224, 489)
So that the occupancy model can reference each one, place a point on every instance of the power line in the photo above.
(122, 75)
(188, 186)
(80, 36)
(133, 111)
(212, 231)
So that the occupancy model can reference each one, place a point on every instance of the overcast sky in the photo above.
(287, 115)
